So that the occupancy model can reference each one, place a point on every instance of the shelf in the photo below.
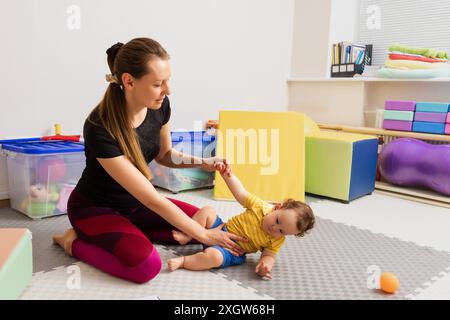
(383, 132)
(418, 195)
(365, 79)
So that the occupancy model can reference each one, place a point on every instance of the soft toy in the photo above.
(40, 201)
(51, 169)
(66, 190)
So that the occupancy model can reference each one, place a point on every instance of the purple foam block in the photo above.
(403, 105)
(397, 125)
(430, 116)
(448, 118)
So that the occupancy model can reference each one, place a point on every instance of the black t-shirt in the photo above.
(95, 183)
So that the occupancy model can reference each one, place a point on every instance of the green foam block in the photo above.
(398, 115)
(328, 175)
(16, 262)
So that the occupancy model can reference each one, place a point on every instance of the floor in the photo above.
(423, 225)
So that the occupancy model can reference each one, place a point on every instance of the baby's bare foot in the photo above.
(181, 237)
(175, 263)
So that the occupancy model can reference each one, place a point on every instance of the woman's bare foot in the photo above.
(175, 263)
(65, 240)
(181, 237)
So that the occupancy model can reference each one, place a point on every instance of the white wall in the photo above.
(311, 38)
(343, 23)
(317, 25)
(226, 54)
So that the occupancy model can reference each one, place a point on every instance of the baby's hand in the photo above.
(263, 269)
(223, 167)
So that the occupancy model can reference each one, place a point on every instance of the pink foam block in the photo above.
(397, 125)
(448, 118)
(447, 128)
(403, 105)
(430, 117)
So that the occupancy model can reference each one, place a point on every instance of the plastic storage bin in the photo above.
(197, 143)
(42, 174)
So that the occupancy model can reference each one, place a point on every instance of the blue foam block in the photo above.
(432, 107)
(428, 127)
(364, 167)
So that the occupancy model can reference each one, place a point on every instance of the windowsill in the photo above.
(364, 79)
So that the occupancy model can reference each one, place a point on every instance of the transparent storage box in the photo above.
(197, 143)
(42, 174)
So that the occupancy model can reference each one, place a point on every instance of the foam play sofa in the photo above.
(339, 165)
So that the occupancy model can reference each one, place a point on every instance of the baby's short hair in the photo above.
(305, 215)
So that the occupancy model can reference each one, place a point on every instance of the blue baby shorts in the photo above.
(228, 258)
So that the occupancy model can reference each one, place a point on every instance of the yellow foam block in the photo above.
(266, 151)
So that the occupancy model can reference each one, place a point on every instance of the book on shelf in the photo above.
(348, 59)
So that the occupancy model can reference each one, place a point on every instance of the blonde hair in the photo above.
(131, 58)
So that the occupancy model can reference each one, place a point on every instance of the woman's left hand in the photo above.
(209, 163)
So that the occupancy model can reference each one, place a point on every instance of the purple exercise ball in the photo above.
(414, 163)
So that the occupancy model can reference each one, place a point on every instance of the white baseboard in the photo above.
(4, 195)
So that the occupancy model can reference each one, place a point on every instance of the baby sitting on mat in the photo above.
(265, 226)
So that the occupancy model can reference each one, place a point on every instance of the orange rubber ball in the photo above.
(389, 282)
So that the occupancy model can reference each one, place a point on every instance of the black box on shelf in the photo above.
(346, 70)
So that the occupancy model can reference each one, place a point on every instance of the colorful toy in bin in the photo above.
(40, 200)
(64, 194)
(52, 169)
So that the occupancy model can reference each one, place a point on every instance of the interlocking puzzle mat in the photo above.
(329, 263)
(332, 261)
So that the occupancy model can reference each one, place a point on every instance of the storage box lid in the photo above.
(37, 146)
(178, 136)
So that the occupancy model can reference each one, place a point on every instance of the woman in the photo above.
(114, 210)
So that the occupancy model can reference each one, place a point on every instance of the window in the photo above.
(418, 23)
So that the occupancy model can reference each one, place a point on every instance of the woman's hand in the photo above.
(217, 236)
(210, 163)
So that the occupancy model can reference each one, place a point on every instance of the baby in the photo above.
(265, 226)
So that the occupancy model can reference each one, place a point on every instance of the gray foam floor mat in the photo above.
(332, 261)
(46, 255)
(329, 263)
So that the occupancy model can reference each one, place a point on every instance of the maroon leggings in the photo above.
(119, 243)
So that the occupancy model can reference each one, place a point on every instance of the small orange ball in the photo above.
(389, 282)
